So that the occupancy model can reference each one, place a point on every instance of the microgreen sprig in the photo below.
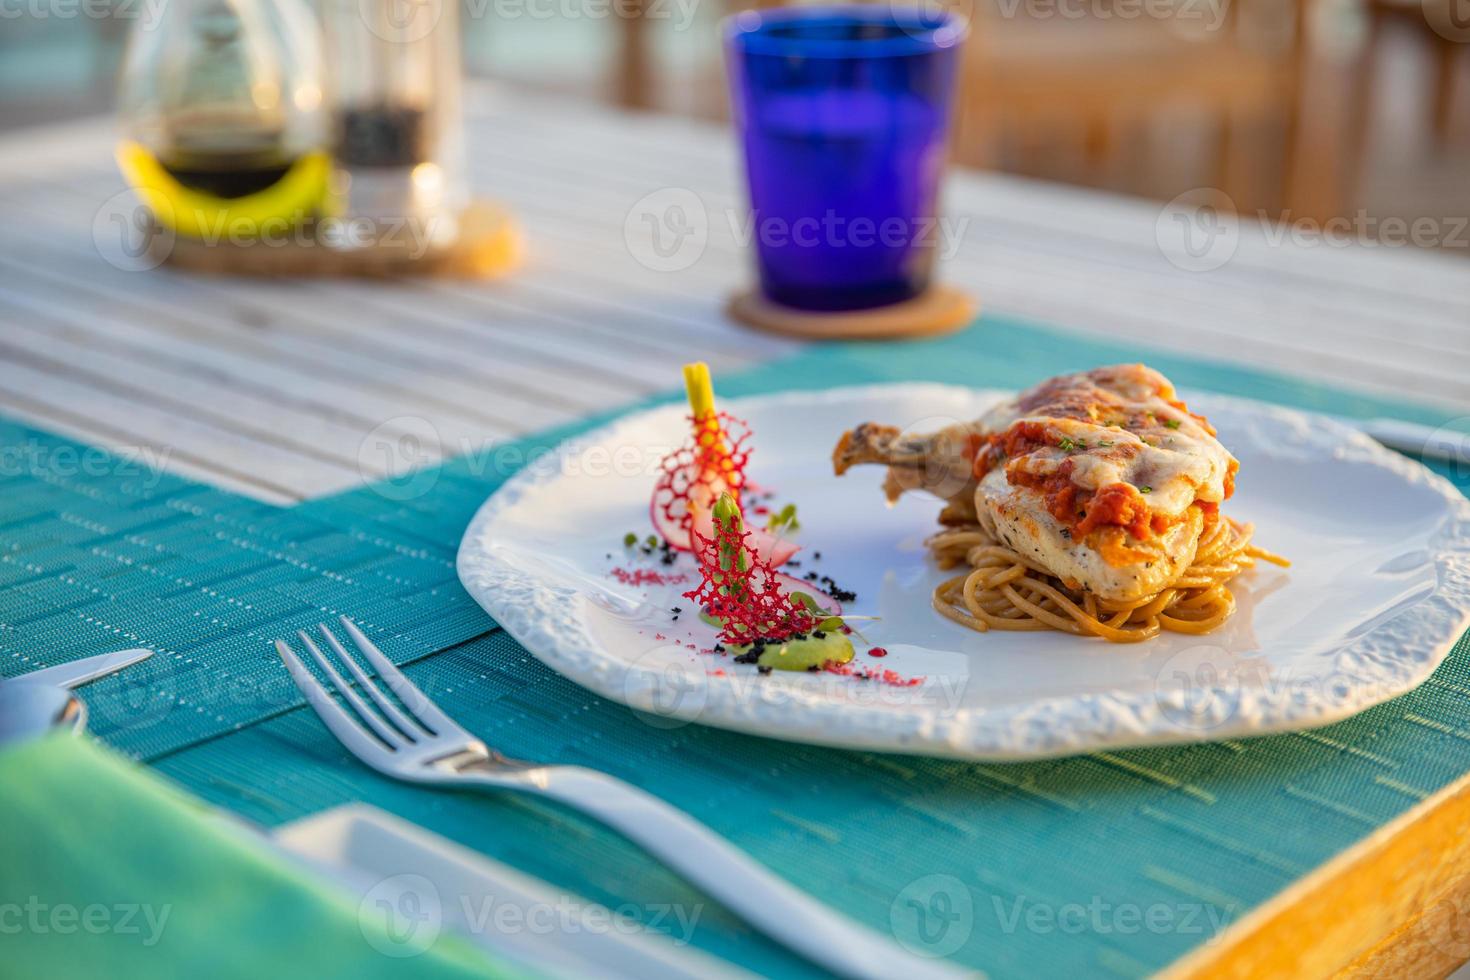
(784, 520)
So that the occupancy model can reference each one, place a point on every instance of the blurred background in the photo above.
(1297, 109)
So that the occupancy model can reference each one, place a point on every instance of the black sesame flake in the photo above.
(832, 588)
(763, 668)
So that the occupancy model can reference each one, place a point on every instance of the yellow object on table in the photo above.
(292, 229)
(297, 198)
(699, 388)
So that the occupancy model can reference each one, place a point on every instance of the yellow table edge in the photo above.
(1388, 906)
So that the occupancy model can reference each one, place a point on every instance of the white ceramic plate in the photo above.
(1378, 592)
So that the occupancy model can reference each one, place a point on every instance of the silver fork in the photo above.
(419, 743)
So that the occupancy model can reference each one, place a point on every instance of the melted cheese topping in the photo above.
(1111, 446)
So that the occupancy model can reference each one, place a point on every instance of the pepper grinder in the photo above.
(396, 129)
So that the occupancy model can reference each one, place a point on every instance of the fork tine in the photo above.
(332, 714)
(417, 702)
(390, 710)
(388, 735)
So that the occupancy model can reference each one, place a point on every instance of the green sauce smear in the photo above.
(804, 653)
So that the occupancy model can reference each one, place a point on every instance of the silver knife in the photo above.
(79, 672)
(1442, 443)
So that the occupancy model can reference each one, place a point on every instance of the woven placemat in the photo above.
(1107, 864)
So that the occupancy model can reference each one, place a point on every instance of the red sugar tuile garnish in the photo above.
(712, 463)
(746, 596)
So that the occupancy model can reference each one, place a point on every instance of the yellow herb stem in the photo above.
(707, 432)
(701, 390)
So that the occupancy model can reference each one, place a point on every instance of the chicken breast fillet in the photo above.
(1011, 515)
(1104, 478)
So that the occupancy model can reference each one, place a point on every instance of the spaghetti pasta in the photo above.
(1004, 589)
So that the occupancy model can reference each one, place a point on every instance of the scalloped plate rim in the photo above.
(541, 616)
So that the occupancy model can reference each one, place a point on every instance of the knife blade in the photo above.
(1443, 443)
(87, 669)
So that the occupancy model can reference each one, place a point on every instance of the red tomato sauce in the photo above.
(1083, 510)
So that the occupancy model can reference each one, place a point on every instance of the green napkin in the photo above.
(106, 870)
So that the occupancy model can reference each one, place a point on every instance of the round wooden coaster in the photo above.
(941, 309)
(489, 244)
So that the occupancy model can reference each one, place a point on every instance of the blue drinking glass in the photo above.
(844, 113)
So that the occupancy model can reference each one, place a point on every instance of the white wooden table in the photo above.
(278, 389)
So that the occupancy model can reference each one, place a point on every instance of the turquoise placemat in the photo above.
(98, 554)
(1112, 864)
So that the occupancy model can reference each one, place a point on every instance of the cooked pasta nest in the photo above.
(1003, 589)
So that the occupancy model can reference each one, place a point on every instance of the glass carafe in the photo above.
(222, 115)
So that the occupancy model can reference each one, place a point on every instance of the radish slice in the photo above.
(668, 527)
(791, 584)
(768, 547)
(687, 481)
(679, 499)
(774, 551)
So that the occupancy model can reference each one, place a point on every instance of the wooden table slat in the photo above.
(585, 327)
